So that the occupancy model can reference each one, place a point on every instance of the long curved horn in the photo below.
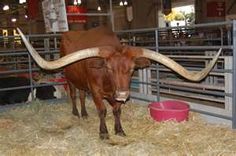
(193, 76)
(63, 61)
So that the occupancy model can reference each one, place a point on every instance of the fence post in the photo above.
(234, 77)
(157, 66)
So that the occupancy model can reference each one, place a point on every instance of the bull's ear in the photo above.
(142, 62)
(96, 63)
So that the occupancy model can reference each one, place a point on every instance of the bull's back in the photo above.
(79, 73)
(77, 40)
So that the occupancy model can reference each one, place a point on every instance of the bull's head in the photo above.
(119, 64)
(126, 60)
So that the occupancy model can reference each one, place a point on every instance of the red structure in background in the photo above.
(76, 18)
(215, 9)
(33, 8)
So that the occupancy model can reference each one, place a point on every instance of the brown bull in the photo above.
(96, 62)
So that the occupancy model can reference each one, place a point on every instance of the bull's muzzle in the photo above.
(122, 95)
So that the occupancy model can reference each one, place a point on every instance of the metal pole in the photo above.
(221, 36)
(234, 77)
(89, 14)
(179, 27)
(55, 41)
(157, 67)
(229, 36)
(111, 16)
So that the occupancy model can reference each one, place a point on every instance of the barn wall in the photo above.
(121, 22)
(230, 7)
(144, 13)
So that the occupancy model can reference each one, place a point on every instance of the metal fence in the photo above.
(192, 47)
(16, 61)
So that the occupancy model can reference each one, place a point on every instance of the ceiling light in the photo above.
(125, 3)
(99, 8)
(6, 7)
(13, 19)
(75, 2)
(22, 1)
(79, 2)
(121, 3)
(26, 16)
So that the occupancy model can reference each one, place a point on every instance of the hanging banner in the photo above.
(129, 13)
(32, 9)
(54, 12)
(76, 18)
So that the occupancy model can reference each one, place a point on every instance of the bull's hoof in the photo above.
(121, 133)
(76, 113)
(84, 115)
(104, 136)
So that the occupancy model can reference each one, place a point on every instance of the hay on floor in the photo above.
(47, 129)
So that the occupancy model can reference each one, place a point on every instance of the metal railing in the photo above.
(215, 95)
(16, 61)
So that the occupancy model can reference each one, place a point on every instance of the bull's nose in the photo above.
(122, 95)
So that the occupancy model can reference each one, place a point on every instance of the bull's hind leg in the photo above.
(117, 112)
(82, 96)
(73, 99)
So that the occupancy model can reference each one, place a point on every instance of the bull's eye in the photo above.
(130, 71)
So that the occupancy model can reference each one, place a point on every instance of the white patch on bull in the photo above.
(58, 92)
(30, 97)
(122, 95)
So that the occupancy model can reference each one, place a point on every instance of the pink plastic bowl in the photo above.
(169, 110)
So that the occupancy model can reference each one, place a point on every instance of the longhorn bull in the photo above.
(96, 62)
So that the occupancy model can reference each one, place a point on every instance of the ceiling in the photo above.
(18, 10)
(13, 4)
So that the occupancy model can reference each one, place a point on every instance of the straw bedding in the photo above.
(50, 129)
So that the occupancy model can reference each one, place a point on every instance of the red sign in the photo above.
(215, 9)
(76, 18)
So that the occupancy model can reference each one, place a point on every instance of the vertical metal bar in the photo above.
(111, 16)
(229, 36)
(221, 36)
(234, 77)
(129, 38)
(30, 75)
(157, 67)
(55, 41)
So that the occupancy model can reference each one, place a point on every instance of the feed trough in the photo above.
(169, 110)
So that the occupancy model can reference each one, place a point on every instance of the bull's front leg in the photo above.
(117, 112)
(102, 111)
